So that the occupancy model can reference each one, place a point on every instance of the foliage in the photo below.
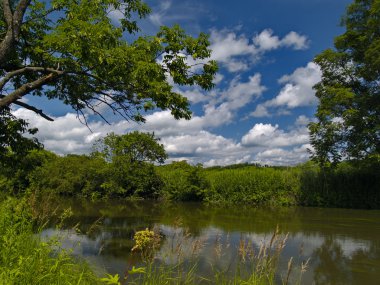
(256, 266)
(183, 182)
(147, 242)
(346, 185)
(13, 145)
(253, 185)
(132, 147)
(348, 114)
(25, 259)
(75, 52)
(15, 179)
(130, 170)
(70, 175)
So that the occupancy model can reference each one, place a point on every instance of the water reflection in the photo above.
(343, 245)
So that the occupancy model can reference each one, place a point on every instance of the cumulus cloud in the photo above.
(260, 111)
(266, 41)
(297, 92)
(280, 156)
(264, 143)
(237, 52)
(271, 136)
(66, 134)
(295, 41)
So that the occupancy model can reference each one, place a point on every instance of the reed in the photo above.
(169, 265)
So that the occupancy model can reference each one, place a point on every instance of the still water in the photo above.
(342, 246)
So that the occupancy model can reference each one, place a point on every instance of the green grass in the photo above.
(26, 259)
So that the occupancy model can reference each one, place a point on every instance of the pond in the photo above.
(341, 246)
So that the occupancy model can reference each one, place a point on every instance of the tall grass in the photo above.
(26, 259)
(174, 265)
(252, 185)
(347, 185)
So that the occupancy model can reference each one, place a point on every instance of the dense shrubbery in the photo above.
(183, 182)
(351, 185)
(254, 185)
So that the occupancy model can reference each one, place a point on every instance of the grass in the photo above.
(26, 259)
(176, 261)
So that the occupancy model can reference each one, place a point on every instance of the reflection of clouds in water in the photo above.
(210, 240)
(310, 242)
(89, 249)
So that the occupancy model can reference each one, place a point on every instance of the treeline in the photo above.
(127, 167)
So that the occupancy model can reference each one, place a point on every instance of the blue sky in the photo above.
(263, 98)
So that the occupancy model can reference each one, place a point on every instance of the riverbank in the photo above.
(346, 185)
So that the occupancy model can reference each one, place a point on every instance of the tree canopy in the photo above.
(348, 115)
(132, 147)
(130, 169)
(72, 50)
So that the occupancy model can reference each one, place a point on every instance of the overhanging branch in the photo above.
(31, 108)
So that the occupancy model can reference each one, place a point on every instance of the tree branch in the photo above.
(32, 108)
(7, 13)
(25, 89)
(11, 74)
(18, 16)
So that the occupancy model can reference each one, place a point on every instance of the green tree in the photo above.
(70, 175)
(348, 114)
(130, 160)
(15, 175)
(132, 147)
(13, 145)
(72, 50)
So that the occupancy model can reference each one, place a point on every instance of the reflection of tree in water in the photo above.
(365, 265)
(332, 267)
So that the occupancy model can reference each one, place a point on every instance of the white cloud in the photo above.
(260, 111)
(67, 134)
(302, 120)
(297, 92)
(296, 41)
(238, 52)
(279, 156)
(266, 41)
(182, 139)
(271, 136)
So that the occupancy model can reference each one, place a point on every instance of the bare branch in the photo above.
(32, 108)
(25, 89)
(9, 75)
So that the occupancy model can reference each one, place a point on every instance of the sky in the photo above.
(263, 98)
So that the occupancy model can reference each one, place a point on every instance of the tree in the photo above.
(71, 50)
(13, 145)
(72, 175)
(348, 114)
(130, 160)
(133, 147)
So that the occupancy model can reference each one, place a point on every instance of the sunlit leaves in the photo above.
(348, 115)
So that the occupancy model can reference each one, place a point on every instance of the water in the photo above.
(343, 245)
